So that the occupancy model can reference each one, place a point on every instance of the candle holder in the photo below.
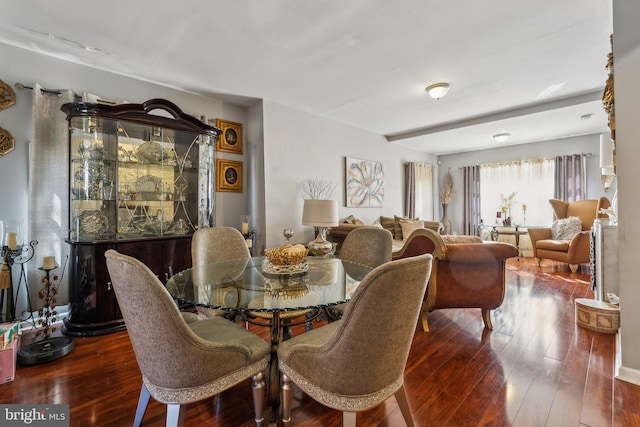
(48, 348)
(250, 238)
(47, 314)
(20, 255)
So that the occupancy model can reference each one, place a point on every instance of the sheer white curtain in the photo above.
(49, 188)
(424, 191)
(532, 184)
(532, 181)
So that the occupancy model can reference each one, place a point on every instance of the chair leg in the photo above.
(175, 415)
(348, 419)
(287, 398)
(573, 267)
(425, 324)
(257, 388)
(486, 317)
(538, 260)
(403, 404)
(143, 401)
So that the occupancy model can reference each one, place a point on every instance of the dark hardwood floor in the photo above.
(536, 368)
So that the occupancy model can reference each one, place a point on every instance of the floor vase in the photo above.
(445, 221)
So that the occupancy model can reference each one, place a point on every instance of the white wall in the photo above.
(579, 144)
(626, 41)
(300, 146)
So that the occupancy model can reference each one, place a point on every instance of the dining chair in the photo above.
(344, 366)
(215, 244)
(225, 243)
(370, 246)
(218, 244)
(182, 363)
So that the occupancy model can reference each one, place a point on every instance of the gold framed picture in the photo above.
(228, 175)
(230, 141)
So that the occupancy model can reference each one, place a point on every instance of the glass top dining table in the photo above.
(242, 287)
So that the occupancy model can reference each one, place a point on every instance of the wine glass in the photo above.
(287, 233)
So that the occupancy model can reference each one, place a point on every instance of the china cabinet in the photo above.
(141, 181)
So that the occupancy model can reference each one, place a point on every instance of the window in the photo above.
(532, 184)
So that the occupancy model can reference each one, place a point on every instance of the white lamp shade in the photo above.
(606, 151)
(320, 213)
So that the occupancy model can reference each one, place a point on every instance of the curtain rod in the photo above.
(58, 93)
(523, 161)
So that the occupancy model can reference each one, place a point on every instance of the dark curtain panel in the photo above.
(471, 209)
(570, 178)
(410, 188)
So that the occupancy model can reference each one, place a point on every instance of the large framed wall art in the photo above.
(364, 183)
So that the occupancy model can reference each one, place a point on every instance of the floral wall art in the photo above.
(364, 183)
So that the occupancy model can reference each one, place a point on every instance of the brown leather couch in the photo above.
(577, 250)
(467, 271)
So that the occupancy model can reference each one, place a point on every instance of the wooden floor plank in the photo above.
(536, 368)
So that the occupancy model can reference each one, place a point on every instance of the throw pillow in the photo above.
(387, 223)
(377, 225)
(566, 228)
(350, 219)
(397, 229)
(409, 227)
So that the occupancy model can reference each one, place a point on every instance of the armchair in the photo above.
(576, 250)
(467, 272)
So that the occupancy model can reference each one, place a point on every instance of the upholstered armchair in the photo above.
(467, 272)
(572, 250)
(182, 363)
(356, 363)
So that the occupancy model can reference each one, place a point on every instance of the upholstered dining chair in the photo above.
(182, 363)
(370, 246)
(344, 366)
(225, 243)
(217, 244)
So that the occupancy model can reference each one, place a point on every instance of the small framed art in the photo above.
(228, 175)
(230, 141)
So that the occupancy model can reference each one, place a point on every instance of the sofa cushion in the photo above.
(451, 239)
(397, 228)
(387, 223)
(353, 220)
(566, 228)
(553, 245)
(408, 227)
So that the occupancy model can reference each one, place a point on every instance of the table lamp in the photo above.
(321, 214)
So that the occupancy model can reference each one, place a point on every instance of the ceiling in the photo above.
(532, 69)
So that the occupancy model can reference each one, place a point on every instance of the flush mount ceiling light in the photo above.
(501, 137)
(438, 90)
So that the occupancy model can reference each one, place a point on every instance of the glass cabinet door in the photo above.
(131, 179)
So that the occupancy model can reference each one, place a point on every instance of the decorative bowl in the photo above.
(271, 268)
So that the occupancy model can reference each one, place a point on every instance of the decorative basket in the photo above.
(269, 267)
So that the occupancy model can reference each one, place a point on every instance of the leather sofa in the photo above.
(576, 250)
(467, 271)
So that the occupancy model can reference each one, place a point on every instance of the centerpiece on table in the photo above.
(288, 259)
